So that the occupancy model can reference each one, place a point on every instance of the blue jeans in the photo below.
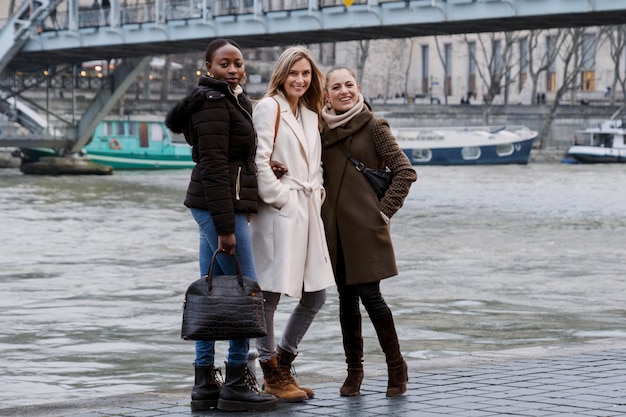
(238, 349)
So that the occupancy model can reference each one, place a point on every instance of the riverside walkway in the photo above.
(585, 379)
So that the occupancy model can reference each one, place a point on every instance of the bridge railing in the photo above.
(186, 9)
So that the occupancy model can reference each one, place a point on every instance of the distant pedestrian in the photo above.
(106, 5)
(53, 19)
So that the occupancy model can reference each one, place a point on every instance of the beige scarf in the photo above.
(334, 120)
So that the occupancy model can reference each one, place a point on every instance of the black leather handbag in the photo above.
(223, 307)
(380, 179)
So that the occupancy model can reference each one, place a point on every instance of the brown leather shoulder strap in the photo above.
(277, 120)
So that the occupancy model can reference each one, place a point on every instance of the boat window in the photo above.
(470, 152)
(132, 129)
(106, 128)
(607, 140)
(504, 149)
(156, 132)
(421, 155)
(119, 128)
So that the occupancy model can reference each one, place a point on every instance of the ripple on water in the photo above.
(93, 274)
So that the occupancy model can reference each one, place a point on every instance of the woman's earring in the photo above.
(329, 105)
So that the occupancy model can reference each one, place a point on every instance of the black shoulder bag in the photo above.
(380, 179)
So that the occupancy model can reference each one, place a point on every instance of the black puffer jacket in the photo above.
(218, 126)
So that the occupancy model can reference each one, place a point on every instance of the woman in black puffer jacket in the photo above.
(216, 119)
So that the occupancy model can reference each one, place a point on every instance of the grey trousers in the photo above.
(299, 322)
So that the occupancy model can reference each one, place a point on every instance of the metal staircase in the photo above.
(18, 29)
(35, 129)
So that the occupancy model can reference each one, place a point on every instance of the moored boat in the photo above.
(138, 143)
(64, 165)
(604, 142)
(466, 145)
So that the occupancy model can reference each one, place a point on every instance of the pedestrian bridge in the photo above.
(173, 26)
(44, 33)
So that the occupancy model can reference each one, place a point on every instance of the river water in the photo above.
(93, 272)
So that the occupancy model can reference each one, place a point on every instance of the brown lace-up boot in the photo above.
(284, 362)
(280, 383)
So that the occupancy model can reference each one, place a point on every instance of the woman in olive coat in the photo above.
(357, 223)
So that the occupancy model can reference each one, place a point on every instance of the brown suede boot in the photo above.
(352, 384)
(284, 362)
(398, 376)
(280, 383)
(396, 366)
(353, 348)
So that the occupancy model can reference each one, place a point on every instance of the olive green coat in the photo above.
(351, 212)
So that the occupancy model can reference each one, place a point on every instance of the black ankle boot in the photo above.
(241, 392)
(206, 389)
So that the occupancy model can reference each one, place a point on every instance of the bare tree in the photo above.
(570, 56)
(540, 60)
(494, 65)
(409, 45)
(510, 74)
(616, 36)
(362, 52)
(387, 77)
(444, 64)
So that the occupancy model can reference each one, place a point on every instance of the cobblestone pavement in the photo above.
(587, 379)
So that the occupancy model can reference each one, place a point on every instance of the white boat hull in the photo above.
(596, 155)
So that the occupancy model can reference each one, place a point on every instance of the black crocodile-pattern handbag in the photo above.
(223, 307)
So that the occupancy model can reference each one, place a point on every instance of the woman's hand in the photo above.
(226, 244)
(278, 168)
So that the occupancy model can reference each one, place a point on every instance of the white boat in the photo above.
(604, 142)
(466, 145)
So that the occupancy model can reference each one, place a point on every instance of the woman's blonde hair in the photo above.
(313, 98)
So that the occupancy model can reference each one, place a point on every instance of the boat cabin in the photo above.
(608, 134)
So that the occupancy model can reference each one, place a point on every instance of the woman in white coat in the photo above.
(290, 250)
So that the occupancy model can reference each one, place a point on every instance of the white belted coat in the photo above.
(288, 239)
